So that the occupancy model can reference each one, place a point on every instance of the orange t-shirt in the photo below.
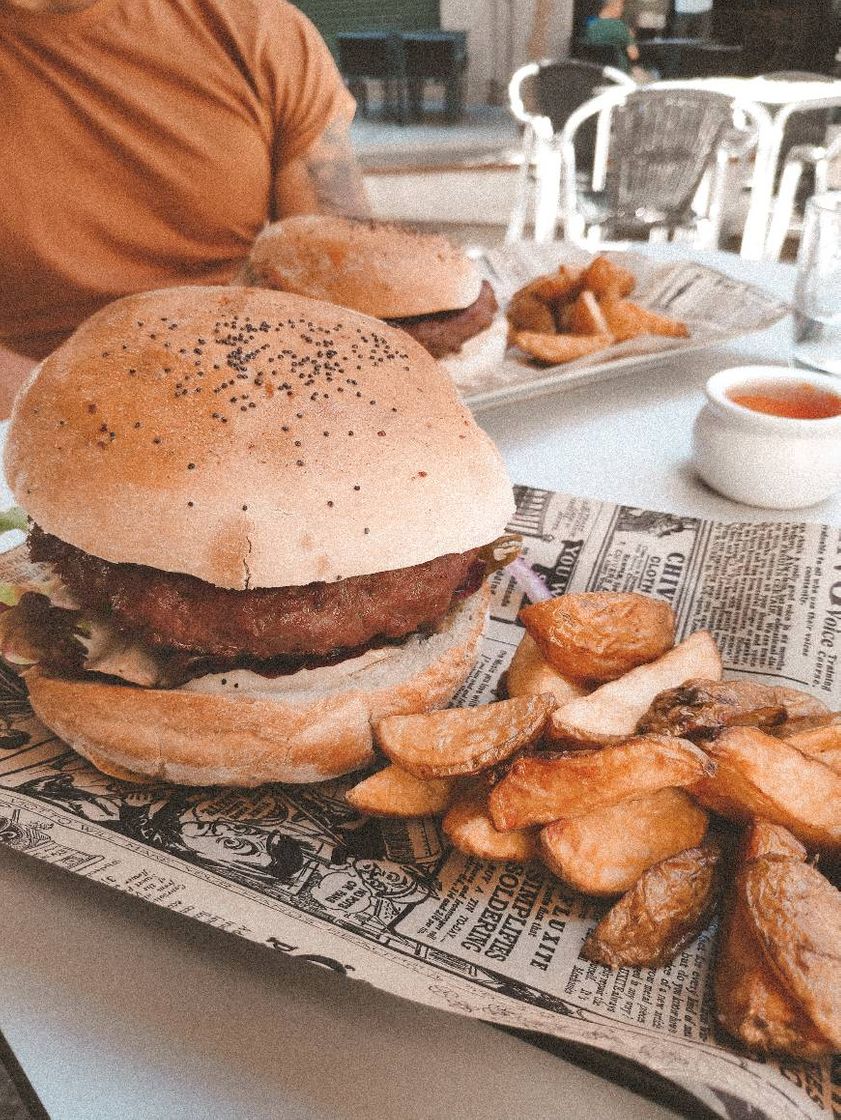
(139, 145)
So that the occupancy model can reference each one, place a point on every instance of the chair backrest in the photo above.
(661, 143)
(370, 54)
(557, 88)
(602, 54)
(710, 60)
(807, 126)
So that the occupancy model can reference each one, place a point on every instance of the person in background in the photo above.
(609, 29)
(692, 19)
(145, 143)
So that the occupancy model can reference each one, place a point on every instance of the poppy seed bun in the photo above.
(251, 438)
(313, 725)
(376, 268)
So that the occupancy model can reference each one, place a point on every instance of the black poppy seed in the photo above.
(103, 427)
(191, 466)
(299, 416)
(190, 504)
(224, 680)
(299, 462)
(157, 439)
(357, 487)
(380, 433)
(366, 531)
(297, 443)
(325, 433)
(245, 509)
(330, 504)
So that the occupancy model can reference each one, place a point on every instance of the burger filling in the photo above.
(445, 332)
(154, 627)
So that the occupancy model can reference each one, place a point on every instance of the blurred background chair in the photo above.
(659, 169)
(541, 96)
(806, 153)
(376, 55)
(599, 54)
(439, 57)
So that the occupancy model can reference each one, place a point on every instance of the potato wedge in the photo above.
(701, 709)
(600, 635)
(628, 320)
(759, 776)
(586, 317)
(558, 287)
(762, 838)
(795, 915)
(470, 830)
(555, 349)
(661, 913)
(529, 674)
(818, 739)
(393, 792)
(525, 312)
(606, 278)
(751, 1003)
(540, 788)
(459, 741)
(612, 712)
(605, 852)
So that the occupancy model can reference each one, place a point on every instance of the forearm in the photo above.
(325, 180)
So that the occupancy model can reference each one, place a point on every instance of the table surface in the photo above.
(117, 1009)
(774, 92)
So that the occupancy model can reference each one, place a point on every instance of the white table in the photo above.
(117, 1009)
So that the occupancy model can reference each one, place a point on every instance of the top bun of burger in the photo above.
(252, 440)
(270, 519)
(377, 268)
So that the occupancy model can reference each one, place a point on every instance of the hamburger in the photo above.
(419, 282)
(259, 522)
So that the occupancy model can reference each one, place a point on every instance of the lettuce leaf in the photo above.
(14, 518)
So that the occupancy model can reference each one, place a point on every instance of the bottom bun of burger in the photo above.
(479, 356)
(242, 729)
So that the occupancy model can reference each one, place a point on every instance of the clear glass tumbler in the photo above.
(817, 295)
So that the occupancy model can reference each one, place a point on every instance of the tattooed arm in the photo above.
(325, 180)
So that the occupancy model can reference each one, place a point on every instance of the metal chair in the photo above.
(801, 146)
(656, 150)
(378, 55)
(541, 95)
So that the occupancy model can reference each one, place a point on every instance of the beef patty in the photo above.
(445, 332)
(181, 612)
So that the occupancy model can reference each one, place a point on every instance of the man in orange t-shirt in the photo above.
(145, 143)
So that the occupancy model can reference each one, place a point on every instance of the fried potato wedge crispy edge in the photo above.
(612, 712)
(393, 792)
(604, 853)
(556, 349)
(795, 915)
(529, 674)
(469, 828)
(540, 788)
(461, 741)
(599, 636)
(661, 914)
(759, 776)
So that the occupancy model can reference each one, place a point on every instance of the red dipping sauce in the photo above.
(795, 401)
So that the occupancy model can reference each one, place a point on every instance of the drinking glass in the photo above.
(817, 295)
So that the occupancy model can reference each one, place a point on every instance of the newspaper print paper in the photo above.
(296, 869)
(714, 306)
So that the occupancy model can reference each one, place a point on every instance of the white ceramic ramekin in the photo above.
(763, 460)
